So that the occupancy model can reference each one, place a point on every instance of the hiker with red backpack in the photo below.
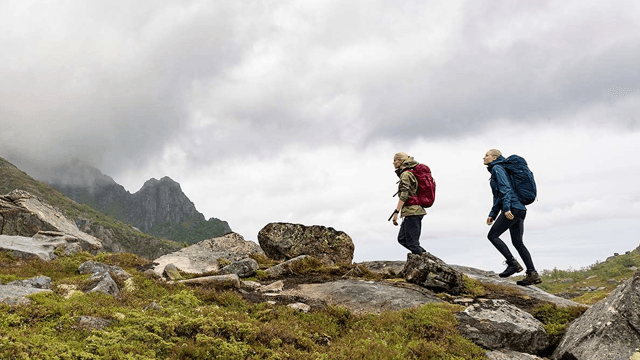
(513, 187)
(416, 190)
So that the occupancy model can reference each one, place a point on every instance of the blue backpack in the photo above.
(522, 179)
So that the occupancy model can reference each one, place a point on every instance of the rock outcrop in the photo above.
(610, 329)
(208, 255)
(496, 324)
(284, 241)
(102, 277)
(25, 215)
(429, 271)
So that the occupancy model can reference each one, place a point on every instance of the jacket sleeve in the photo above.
(504, 193)
(495, 209)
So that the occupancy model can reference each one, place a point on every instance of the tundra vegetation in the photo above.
(592, 283)
(202, 322)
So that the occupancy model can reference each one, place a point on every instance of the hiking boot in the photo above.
(512, 267)
(531, 278)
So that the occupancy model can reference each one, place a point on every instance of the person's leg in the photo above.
(409, 235)
(499, 227)
(517, 232)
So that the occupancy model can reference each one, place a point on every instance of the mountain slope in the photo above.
(159, 208)
(116, 236)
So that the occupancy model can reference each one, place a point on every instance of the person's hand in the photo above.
(509, 215)
(395, 219)
(489, 221)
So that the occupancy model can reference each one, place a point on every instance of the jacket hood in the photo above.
(500, 159)
(410, 163)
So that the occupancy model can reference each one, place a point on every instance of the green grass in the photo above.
(204, 323)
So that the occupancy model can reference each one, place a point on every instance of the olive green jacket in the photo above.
(408, 187)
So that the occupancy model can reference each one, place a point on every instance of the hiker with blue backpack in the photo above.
(416, 190)
(513, 187)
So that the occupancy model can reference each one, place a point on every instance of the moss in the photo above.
(473, 288)
(556, 319)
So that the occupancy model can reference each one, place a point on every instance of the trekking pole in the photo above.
(393, 213)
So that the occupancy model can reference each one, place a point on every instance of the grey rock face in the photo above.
(101, 276)
(22, 214)
(283, 241)
(17, 295)
(203, 256)
(429, 271)
(496, 324)
(38, 282)
(16, 292)
(283, 268)
(243, 268)
(610, 329)
(92, 267)
(104, 283)
(171, 272)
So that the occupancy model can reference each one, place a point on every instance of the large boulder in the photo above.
(204, 256)
(284, 241)
(429, 271)
(22, 214)
(101, 277)
(610, 329)
(496, 324)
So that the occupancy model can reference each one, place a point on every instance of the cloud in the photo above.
(114, 84)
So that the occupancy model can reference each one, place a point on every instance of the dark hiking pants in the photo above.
(409, 235)
(516, 230)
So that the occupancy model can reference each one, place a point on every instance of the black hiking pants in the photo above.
(516, 230)
(409, 235)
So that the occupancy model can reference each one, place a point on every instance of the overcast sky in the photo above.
(291, 111)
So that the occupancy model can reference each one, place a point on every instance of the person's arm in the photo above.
(398, 209)
(505, 192)
(404, 187)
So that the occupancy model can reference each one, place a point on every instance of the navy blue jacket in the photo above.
(504, 198)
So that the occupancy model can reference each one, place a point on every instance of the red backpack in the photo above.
(426, 187)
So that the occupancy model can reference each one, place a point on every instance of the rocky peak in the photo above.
(159, 208)
(160, 201)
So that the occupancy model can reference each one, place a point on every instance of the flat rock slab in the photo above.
(14, 295)
(29, 248)
(489, 277)
(361, 296)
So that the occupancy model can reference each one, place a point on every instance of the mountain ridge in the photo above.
(160, 208)
(117, 236)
